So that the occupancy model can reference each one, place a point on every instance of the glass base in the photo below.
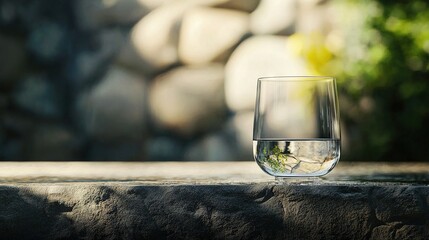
(298, 179)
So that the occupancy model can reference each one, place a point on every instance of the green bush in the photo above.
(383, 74)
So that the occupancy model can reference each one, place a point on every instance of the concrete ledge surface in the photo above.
(205, 203)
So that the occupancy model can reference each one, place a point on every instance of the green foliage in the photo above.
(384, 80)
(276, 159)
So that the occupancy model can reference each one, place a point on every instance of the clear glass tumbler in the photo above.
(296, 130)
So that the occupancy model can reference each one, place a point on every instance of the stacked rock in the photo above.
(142, 79)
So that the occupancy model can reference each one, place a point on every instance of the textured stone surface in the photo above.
(217, 200)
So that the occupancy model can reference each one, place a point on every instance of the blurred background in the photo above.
(176, 79)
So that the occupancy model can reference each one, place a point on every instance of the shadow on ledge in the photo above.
(409, 178)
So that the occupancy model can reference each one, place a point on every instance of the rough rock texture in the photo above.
(261, 211)
(208, 201)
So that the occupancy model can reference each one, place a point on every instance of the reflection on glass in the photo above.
(296, 126)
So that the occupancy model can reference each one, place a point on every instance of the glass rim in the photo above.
(296, 78)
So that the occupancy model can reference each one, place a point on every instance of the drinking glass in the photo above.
(296, 130)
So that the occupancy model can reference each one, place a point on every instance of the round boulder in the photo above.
(188, 100)
(115, 108)
(39, 96)
(213, 147)
(209, 34)
(239, 128)
(153, 41)
(257, 57)
(274, 17)
(95, 14)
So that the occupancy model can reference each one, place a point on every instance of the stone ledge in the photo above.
(210, 201)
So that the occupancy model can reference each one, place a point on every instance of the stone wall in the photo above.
(143, 79)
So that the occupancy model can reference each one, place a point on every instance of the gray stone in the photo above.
(274, 17)
(116, 151)
(37, 95)
(22, 17)
(240, 129)
(153, 41)
(213, 147)
(382, 232)
(2, 141)
(4, 102)
(209, 34)
(404, 205)
(8, 12)
(310, 213)
(89, 64)
(47, 42)
(163, 148)
(12, 149)
(2, 134)
(52, 142)
(416, 232)
(399, 231)
(257, 57)
(13, 59)
(188, 200)
(247, 6)
(115, 108)
(91, 15)
(18, 124)
(188, 100)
